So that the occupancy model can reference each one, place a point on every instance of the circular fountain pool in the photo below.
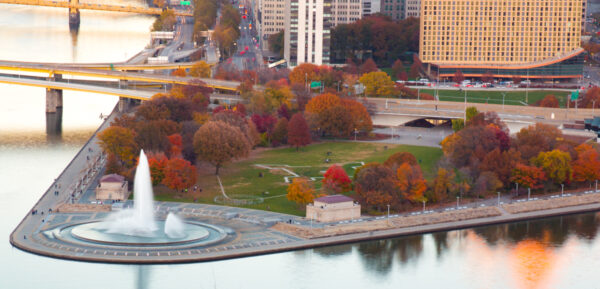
(95, 233)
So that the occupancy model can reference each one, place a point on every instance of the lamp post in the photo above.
(306, 81)
(596, 186)
(562, 190)
(503, 95)
(388, 214)
(355, 133)
(517, 189)
(457, 202)
(424, 201)
(528, 193)
(498, 199)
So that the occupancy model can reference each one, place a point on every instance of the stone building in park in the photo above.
(529, 39)
(332, 209)
(112, 187)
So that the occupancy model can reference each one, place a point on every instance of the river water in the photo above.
(550, 253)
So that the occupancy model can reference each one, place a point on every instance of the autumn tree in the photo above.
(411, 184)
(470, 145)
(470, 113)
(556, 165)
(487, 77)
(399, 158)
(516, 80)
(360, 117)
(119, 141)
(501, 163)
(532, 140)
(377, 84)
(586, 168)
(179, 174)
(301, 191)
(336, 180)
(415, 70)
(548, 101)
(165, 22)
(280, 132)
(442, 187)
(153, 135)
(321, 102)
(157, 163)
(458, 77)
(398, 68)
(218, 143)
(276, 43)
(368, 66)
(200, 69)
(179, 72)
(304, 73)
(375, 185)
(487, 182)
(298, 133)
(528, 176)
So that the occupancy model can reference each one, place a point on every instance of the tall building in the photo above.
(307, 34)
(393, 8)
(412, 8)
(371, 7)
(271, 19)
(345, 11)
(525, 38)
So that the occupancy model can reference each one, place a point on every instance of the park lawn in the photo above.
(495, 97)
(241, 179)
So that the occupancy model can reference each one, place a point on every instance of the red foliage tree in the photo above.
(264, 123)
(398, 68)
(176, 145)
(157, 163)
(587, 165)
(179, 174)
(548, 101)
(410, 182)
(458, 76)
(298, 133)
(368, 66)
(336, 180)
(528, 176)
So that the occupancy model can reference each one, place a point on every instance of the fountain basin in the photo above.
(197, 234)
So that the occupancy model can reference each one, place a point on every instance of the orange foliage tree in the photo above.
(375, 185)
(548, 101)
(528, 176)
(411, 184)
(361, 120)
(301, 191)
(179, 174)
(587, 165)
(399, 158)
(442, 186)
(179, 72)
(336, 180)
(322, 102)
(157, 163)
(305, 72)
(119, 141)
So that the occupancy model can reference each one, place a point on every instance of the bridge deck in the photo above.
(90, 6)
(128, 93)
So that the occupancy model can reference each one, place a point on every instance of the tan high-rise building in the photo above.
(271, 19)
(345, 11)
(526, 38)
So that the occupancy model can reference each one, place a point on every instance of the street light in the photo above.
(457, 202)
(517, 189)
(528, 193)
(388, 217)
(498, 199)
(424, 201)
(562, 190)
(355, 133)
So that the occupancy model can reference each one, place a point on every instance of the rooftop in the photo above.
(112, 178)
(334, 199)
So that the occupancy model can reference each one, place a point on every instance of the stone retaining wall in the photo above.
(77, 208)
(551, 204)
(394, 223)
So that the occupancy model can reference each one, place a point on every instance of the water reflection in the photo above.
(334, 251)
(553, 231)
(54, 125)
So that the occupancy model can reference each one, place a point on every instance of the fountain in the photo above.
(138, 226)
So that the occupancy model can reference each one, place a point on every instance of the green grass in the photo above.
(495, 97)
(242, 178)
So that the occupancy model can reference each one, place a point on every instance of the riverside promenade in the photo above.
(248, 232)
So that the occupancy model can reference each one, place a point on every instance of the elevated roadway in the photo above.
(18, 69)
(59, 85)
(91, 6)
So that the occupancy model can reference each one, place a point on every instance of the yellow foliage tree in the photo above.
(200, 69)
(377, 83)
(301, 191)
